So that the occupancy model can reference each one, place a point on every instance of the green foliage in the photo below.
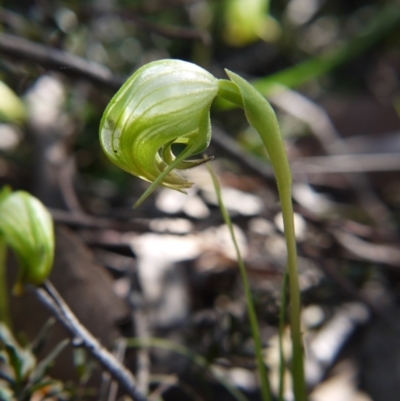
(22, 375)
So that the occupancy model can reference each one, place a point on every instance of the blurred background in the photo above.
(168, 269)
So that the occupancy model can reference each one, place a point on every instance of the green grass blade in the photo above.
(255, 331)
(383, 22)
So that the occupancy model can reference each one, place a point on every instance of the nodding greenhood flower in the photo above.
(164, 102)
(27, 227)
(167, 102)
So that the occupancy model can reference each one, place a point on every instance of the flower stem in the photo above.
(255, 331)
(282, 315)
(297, 344)
(261, 116)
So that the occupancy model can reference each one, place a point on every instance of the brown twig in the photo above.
(84, 220)
(142, 333)
(168, 31)
(109, 387)
(49, 296)
(57, 60)
(350, 163)
(378, 253)
(155, 6)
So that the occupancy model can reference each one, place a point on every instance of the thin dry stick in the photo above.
(109, 388)
(119, 354)
(59, 60)
(143, 358)
(349, 163)
(169, 31)
(48, 295)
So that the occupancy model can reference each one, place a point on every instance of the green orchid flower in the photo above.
(167, 102)
(27, 227)
(161, 104)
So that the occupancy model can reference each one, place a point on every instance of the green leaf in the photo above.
(42, 367)
(21, 360)
(40, 340)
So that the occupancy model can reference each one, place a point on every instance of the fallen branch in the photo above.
(49, 296)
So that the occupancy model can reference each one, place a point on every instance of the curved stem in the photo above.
(261, 116)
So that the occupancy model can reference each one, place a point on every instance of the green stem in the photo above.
(261, 116)
(297, 344)
(282, 314)
(255, 331)
(4, 310)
